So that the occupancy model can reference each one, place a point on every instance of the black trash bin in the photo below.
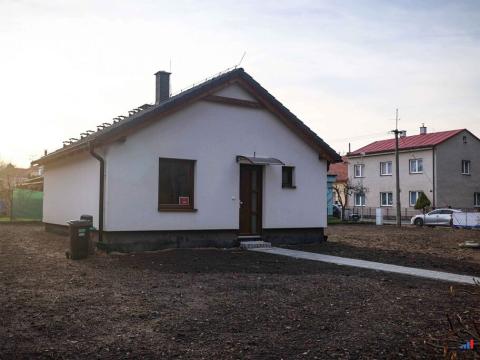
(79, 238)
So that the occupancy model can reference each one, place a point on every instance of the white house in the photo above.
(215, 163)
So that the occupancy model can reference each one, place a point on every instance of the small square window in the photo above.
(414, 195)
(386, 168)
(359, 199)
(386, 199)
(466, 167)
(358, 170)
(288, 177)
(416, 166)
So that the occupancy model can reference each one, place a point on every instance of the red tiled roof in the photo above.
(409, 142)
(340, 169)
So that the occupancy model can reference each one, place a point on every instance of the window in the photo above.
(359, 199)
(466, 167)
(414, 195)
(386, 199)
(175, 184)
(358, 170)
(386, 168)
(476, 199)
(416, 166)
(464, 139)
(287, 177)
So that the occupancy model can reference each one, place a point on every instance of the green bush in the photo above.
(422, 202)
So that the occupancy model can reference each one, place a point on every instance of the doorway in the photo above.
(251, 186)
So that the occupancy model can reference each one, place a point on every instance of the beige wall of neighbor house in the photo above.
(213, 134)
(71, 190)
(454, 188)
(375, 183)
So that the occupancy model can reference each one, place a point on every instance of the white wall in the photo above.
(71, 190)
(213, 134)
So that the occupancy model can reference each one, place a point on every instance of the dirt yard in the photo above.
(430, 248)
(211, 304)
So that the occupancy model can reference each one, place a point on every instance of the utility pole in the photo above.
(397, 171)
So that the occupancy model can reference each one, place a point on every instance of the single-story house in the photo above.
(221, 161)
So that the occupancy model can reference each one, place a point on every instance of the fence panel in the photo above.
(27, 204)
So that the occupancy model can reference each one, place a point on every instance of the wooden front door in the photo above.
(250, 199)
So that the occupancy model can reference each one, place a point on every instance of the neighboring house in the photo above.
(11, 176)
(220, 161)
(330, 193)
(444, 165)
(340, 170)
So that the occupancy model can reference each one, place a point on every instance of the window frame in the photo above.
(410, 197)
(177, 207)
(291, 184)
(466, 165)
(386, 163)
(476, 199)
(410, 161)
(387, 198)
(362, 170)
(362, 195)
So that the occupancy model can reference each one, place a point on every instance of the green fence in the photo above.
(27, 204)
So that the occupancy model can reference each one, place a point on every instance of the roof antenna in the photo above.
(241, 59)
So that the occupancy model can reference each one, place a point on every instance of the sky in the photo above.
(343, 67)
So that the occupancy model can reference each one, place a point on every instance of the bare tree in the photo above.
(346, 190)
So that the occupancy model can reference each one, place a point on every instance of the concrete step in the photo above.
(254, 244)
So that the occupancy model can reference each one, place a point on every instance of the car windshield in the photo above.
(434, 212)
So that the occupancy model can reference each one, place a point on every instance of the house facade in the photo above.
(443, 165)
(214, 164)
(340, 171)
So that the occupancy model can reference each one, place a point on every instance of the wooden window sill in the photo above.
(178, 209)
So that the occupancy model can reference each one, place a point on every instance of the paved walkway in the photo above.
(430, 274)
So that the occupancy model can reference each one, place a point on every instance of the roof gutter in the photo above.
(101, 192)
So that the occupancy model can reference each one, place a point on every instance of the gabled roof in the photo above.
(148, 114)
(340, 169)
(408, 143)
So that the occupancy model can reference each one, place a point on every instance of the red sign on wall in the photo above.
(184, 200)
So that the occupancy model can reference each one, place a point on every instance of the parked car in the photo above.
(438, 217)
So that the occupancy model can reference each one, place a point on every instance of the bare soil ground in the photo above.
(208, 304)
(430, 248)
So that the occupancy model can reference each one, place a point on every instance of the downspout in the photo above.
(101, 193)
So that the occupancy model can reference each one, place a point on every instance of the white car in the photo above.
(438, 217)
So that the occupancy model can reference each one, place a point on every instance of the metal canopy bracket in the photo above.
(258, 160)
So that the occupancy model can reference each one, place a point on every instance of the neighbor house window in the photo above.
(414, 195)
(386, 199)
(175, 184)
(416, 166)
(386, 168)
(287, 177)
(359, 199)
(466, 167)
(358, 170)
(476, 199)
